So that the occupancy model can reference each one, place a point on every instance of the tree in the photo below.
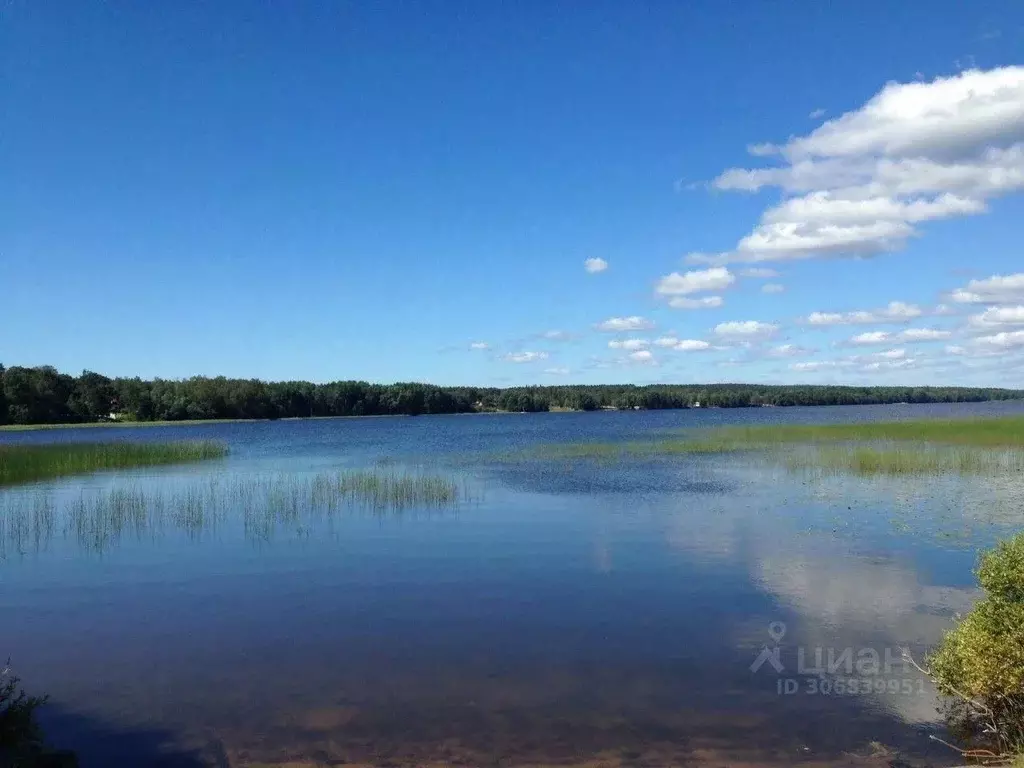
(92, 397)
(3, 398)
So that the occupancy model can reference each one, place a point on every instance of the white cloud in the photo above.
(873, 337)
(556, 371)
(759, 272)
(825, 318)
(479, 345)
(691, 345)
(526, 357)
(595, 265)
(695, 281)
(705, 302)
(895, 312)
(747, 329)
(642, 356)
(788, 350)
(556, 335)
(861, 183)
(817, 113)
(888, 365)
(631, 344)
(892, 354)
(998, 289)
(924, 334)
(631, 323)
(816, 365)
(995, 318)
(1002, 340)
(666, 341)
(773, 288)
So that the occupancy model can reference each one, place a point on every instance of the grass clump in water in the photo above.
(1001, 432)
(923, 446)
(30, 463)
(907, 460)
(98, 521)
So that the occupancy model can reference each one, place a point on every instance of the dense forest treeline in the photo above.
(43, 395)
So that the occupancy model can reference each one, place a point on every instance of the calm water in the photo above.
(565, 612)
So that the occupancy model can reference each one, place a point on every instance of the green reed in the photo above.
(998, 432)
(908, 460)
(99, 520)
(30, 463)
(941, 446)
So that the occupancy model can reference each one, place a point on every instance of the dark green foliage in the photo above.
(44, 396)
(980, 664)
(20, 738)
(28, 463)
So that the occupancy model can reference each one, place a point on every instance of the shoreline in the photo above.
(201, 422)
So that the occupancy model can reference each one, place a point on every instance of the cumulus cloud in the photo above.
(630, 344)
(619, 324)
(895, 312)
(872, 337)
(643, 357)
(691, 345)
(705, 302)
(861, 183)
(998, 289)
(773, 288)
(817, 365)
(746, 329)
(923, 334)
(995, 318)
(595, 265)
(1002, 340)
(788, 350)
(888, 365)
(892, 354)
(479, 345)
(526, 357)
(695, 281)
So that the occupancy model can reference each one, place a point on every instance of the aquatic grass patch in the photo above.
(959, 446)
(633, 448)
(908, 460)
(1001, 432)
(262, 504)
(31, 463)
(26, 524)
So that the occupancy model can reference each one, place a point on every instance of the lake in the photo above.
(691, 610)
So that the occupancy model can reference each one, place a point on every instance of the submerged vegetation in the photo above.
(922, 446)
(1004, 431)
(43, 395)
(979, 666)
(25, 463)
(98, 520)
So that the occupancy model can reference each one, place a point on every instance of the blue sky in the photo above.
(397, 191)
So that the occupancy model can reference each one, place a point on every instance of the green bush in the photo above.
(20, 738)
(979, 666)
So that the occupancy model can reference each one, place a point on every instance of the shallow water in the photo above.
(562, 612)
